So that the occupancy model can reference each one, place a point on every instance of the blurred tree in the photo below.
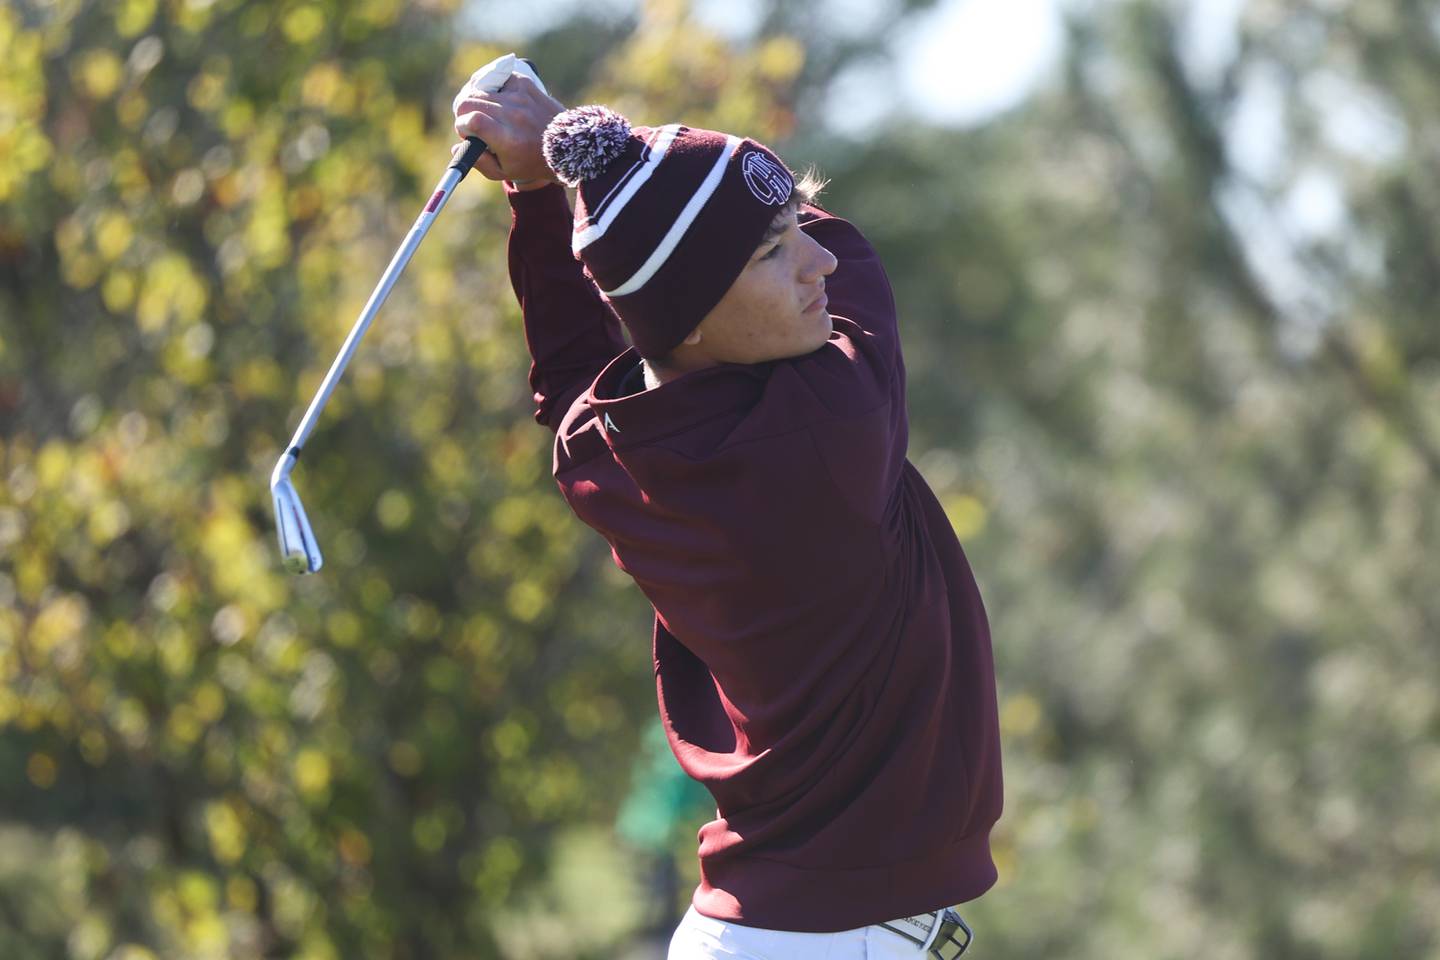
(209, 758)
(1174, 371)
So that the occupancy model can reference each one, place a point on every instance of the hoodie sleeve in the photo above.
(571, 331)
(854, 387)
(859, 289)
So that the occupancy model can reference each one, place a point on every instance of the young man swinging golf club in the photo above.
(822, 657)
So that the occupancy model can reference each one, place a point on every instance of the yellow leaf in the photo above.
(510, 739)
(267, 235)
(118, 291)
(25, 150)
(511, 516)
(259, 377)
(69, 235)
(121, 639)
(209, 702)
(98, 73)
(32, 574)
(193, 15)
(197, 891)
(206, 91)
(226, 831)
(176, 647)
(780, 58)
(238, 119)
(172, 289)
(129, 174)
(406, 128)
(132, 951)
(303, 24)
(393, 509)
(132, 16)
(207, 934)
(113, 234)
(81, 269)
(108, 520)
(131, 722)
(967, 515)
(380, 13)
(312, 772)
(501, 861)
(344, 628)
(321, 84)
(132, 109)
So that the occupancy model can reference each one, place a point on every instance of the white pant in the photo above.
(700, 937)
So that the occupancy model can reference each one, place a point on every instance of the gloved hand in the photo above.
(505, 104)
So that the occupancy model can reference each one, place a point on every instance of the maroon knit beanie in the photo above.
(666, 217)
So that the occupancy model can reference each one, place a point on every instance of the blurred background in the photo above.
(1167, 275)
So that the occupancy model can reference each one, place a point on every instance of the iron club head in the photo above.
(298, 550)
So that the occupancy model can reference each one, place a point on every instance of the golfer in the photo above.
(822, 657)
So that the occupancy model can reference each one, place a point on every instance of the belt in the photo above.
(941, 935)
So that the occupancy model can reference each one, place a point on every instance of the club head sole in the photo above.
(299, 553)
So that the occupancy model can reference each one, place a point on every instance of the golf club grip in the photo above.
(474, 146)
(474, 149)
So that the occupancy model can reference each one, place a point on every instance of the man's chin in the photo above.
(829, 327)
(804, 349)
(827, 333)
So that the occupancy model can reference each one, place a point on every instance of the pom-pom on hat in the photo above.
(579, 144)
(665, 217)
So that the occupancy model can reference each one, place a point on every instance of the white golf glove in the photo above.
(491, 77)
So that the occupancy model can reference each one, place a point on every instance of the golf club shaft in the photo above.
(461, 165)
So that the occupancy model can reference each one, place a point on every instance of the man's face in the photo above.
(776, 307)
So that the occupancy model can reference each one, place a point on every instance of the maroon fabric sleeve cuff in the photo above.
(521, 198)
(571, 332)
(540, 219)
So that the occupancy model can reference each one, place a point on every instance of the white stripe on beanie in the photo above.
(594, 232)
(682, 223)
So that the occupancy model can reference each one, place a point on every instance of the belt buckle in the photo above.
(946, 945)
(947, 937)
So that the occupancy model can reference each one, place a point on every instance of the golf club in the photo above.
(299, 551)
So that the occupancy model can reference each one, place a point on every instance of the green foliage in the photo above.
(1201, 503)
(215, 759)
(1199, 496)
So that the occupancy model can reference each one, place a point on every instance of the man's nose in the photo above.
(822, 262)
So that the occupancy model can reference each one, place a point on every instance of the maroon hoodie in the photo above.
(822, 656)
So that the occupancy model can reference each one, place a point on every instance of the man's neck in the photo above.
(685, 363)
